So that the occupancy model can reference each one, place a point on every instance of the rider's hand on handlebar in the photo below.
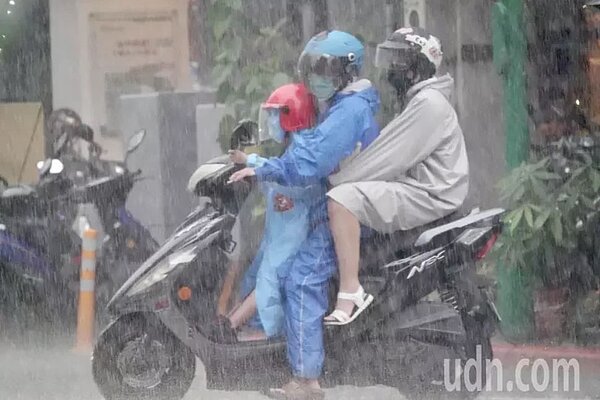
(241, 175)
(238, 156)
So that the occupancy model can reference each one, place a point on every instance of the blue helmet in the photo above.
(333, 54)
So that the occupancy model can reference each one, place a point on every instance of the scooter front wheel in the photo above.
(140, 359)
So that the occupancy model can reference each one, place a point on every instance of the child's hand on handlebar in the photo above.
(241, 175)
(238, 156)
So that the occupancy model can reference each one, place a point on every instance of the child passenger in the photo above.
(287, 117)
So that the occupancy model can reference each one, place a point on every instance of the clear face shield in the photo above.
(321, 73)
(392, 57)
(397, 61)
(269, 124)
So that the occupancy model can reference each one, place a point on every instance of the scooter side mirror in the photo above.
(43, 167)
(56, 167)
(245, 134)
(134, 142)
(86, 133)
(52, 166)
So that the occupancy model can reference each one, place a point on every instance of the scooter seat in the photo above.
(17, 191)
(17, 200)
(382, 248)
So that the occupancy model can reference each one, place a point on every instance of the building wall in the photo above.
(73, 76)
(480, 104)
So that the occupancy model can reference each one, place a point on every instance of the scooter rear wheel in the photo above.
(424, 384)
(139, 359)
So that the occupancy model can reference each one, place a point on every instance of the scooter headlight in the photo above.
(162, 270)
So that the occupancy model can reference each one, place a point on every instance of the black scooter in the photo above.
(429, 306)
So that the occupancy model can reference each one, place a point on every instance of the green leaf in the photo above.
(576, 173)
(514, 219)
(253, 85)
(235, 48)
(235, 4)
(539, 189)
(518, 194)
(589, 203)
(268, 31)
(222, 56)
(220, 26)
(542, 218)
(223, 73)
(586, 157)
(528, 216)
(546, 176)
(541, 164)
(595, 178)
(557, 228)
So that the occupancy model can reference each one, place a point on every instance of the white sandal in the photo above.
(361, 301)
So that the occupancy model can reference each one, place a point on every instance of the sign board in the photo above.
(130, 53)
(22, 133)
(415, 13)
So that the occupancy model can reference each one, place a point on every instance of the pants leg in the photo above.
(305, 288)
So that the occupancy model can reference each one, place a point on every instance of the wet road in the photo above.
(51, 371)
(40, 373)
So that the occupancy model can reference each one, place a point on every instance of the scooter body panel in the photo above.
(23, 260)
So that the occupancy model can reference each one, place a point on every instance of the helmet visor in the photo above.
(269, 123)
(319, 64)
(392, 57)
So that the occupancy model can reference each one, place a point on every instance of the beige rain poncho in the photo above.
(415, 172)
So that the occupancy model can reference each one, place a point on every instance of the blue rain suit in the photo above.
(286, 228)
(348, 123)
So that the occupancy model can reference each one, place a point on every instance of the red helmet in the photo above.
(296, 106)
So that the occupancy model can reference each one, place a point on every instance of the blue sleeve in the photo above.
(315, 155)
(254, 160)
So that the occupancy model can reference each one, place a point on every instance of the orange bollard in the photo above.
(87, 297)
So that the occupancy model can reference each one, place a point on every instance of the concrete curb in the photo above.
(503, 349)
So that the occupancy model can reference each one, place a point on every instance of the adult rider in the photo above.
(329, 65)
(415, 172)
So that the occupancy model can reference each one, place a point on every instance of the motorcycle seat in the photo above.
(382, 248)
(16, 200)
(457, 225)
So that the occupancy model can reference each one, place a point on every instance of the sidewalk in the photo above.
(555, 359)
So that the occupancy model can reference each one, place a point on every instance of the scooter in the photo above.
(429, 306)
(41, 229)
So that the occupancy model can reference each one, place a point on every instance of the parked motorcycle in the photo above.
(41, 229)
(429, 306)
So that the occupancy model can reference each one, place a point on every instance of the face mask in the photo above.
(274, 126)
(322, 87)
(400, 80)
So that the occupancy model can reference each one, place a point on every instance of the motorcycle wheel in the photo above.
(425, 379)
(477, 346)
(140, 359)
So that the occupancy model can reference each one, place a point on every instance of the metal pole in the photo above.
(509, 43)
(510, 47)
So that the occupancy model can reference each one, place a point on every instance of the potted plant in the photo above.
(554, 215)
